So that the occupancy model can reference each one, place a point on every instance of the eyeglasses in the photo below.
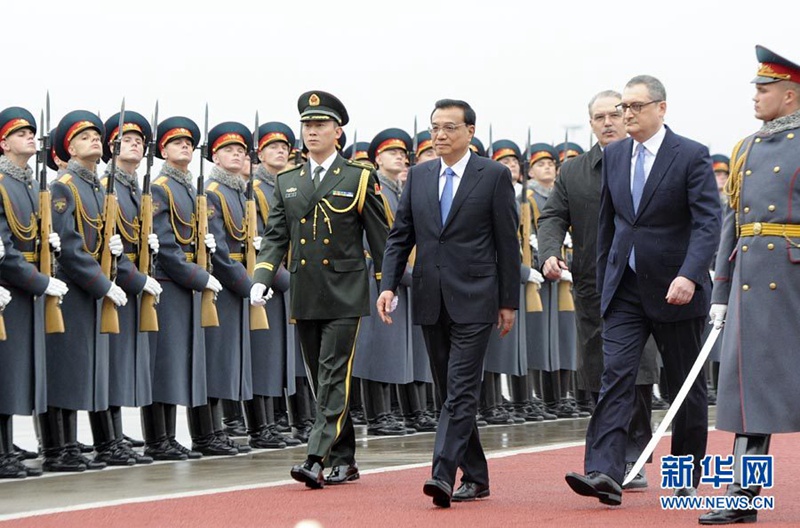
(635, 107)
(447, 129)
(600, 118)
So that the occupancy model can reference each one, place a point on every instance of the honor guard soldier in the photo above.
(476, 146)
(129, 350)
(567, 150)
(361, 152)
(323, 208)
(228, 366)
(77, 359)
(273, 352)
(756, 282)
(177, 350)
(425, 150)
(22, 378)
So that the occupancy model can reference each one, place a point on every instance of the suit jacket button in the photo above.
(325, 262)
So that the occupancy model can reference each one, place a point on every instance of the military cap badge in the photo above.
(313, 100)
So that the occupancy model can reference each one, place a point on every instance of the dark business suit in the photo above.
(465, 271)
(675, 231)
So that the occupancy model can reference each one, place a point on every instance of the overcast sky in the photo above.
(519, 64)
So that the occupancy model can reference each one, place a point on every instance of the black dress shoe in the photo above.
(214, 447)
(309, 473)
(24, 453)
(303, 430)
(596, 484)
(191, 455)
(62, 462)
(133, 442)
(266, 440)
(469, 491)
(440, 490)
(73, 453)
(115, 454)
(290, 441)
(424, 423)
(11, 467)
(497, 416)
(85, 449)
(342, 474)
(638, 483)
(729, 517)
(164, 451)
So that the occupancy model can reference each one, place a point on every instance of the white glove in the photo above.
(5, 297)
(712, 274)
(56, 288)
(259, 294)
(115, 245)
(2, 250)
(213, 284)
(566, 275)
(55, 242)
(717, 315)
(117, 295)
(568, 240)
(534, 242)
(257, 243)
(152, 241)
(535, 276)
(152, 287)
(393, 304)
(211, 243)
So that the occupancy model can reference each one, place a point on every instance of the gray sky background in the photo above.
(518, 64)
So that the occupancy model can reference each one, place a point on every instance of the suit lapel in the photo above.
(472, 175)
(304, 184)
(332, 177)
(432, 191)
(664, 158)
(623, 184)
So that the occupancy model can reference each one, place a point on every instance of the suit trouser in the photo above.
(328, 349)
(625, 331)
(456, 352)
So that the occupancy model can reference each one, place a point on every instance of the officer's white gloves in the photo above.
(56, 288)
(152, 241)
(213, 284)
(259, 294)
(568, 240)
(534, 242)
(535, 277)
(117, 295)
(717, 315)
(5, 297)
(152, 287)
(211, 243)
(257, 242)
(115, 245)
(566, 275)
(54, 240)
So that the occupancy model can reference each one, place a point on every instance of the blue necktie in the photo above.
(636, 192)
(447, 194)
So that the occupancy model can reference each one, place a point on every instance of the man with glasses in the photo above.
(574, 204)
(657, 232)
(460, 213)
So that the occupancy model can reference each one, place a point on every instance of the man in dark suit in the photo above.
(658, 230)
(460, 213)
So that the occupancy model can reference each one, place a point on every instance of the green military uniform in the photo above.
(329, 282)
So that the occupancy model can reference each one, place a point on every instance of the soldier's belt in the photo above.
(767, 229)
(238, 257)
(31, 256)
(189, 256)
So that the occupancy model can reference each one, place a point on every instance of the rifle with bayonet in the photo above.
(412, 156)
(533, 300)
(109, 318)
(490, 149)
(53, 318)
(565, 301)
(208, 308)
(258, 314)
(298, 149)
(148, 318)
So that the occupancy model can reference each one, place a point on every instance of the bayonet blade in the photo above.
(47, 113)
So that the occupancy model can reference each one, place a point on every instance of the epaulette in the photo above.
(360, 164)
(287, 171)
(66, 178)
(212, 186)
(160, 180)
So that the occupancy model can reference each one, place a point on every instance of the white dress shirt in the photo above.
(325, 165)
(458, 167)
(651, 147)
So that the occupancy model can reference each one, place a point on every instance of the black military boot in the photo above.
(742, 445)
(10, 466)
(127, 443)
(110, 449)
(204, 441)
(261, 436)
(216, 419)
(232, 418)
(73, 449)
(272, 425)
(156, 441)
(51, 430)
(170, 418)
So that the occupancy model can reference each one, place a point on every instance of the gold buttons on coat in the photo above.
(776, 170)
(325, 262)
(745, 287)
(790, 135)
(745, 248)
(326, 241)
(771, 208)
(302, 240)
(773, 286)
(302, 262)
(748, 172)
(770, 246)
(758, 140)
(757, 227)
(302, 220)
(746, 209)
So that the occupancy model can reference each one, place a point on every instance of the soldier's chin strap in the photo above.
(676, 404)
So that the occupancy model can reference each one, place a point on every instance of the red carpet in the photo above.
(527, 490)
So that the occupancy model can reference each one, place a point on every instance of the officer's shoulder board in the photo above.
(359, 164)
(161, 180)
(66, 178)
(213, 186)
